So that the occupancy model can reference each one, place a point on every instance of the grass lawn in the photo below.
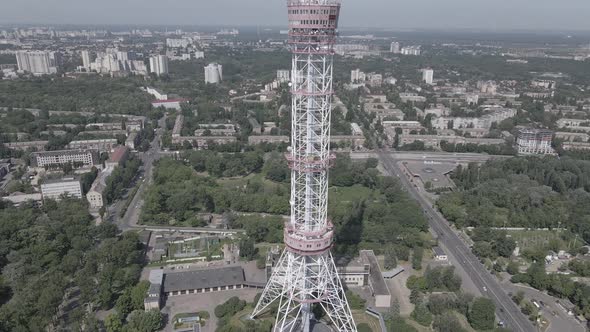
(350, 194)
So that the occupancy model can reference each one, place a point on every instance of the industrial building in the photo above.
(55, 189)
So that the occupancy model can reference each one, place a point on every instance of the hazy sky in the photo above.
(428, 14)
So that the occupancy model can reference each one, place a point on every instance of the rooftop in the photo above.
(375, 277)
(118, 154)
(233, 275)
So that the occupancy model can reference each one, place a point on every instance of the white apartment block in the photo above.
(283, 75)
(66, 187)
(86, 158)
(213, 73)
(411, 50)
(357, 76)
(159, 65)
(394, 48)
(85, 59)
(38, 62)
(428, 75)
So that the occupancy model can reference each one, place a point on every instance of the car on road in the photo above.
(485, 289)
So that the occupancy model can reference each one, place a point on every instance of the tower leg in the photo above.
(297, 283)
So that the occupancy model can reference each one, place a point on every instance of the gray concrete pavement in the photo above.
(487, 284)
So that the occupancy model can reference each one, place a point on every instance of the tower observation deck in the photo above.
(305, 276)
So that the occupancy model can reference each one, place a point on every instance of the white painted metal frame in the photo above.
(303, 277)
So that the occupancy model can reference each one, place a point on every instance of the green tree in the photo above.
(417, 258)
(482, 314)
(145, 321)
(422, 315)
(113, 323)
(247, 249)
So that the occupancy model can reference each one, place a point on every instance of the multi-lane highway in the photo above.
(487, 284)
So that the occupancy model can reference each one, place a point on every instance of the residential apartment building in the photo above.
(78, 158)
(38, 62)
(159, 65)
(534, 141)
(213, 73)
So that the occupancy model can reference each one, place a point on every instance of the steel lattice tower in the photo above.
(305, 274)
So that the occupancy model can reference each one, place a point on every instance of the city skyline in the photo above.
(540, 15)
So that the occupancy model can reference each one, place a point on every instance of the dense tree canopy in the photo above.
(46, 253)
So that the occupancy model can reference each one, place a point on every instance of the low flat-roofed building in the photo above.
(384, 111)
(571, 123)
(569, 146)
(354, 142)
(406, 127)
(433, 141)
(215, 132)
(153, 298)
(411, 96)
(174, 104)
(56, 188)
(203, 142)
(103, 133)
(376, 282)
(102, 145)
(23, 146)
(78, 158)
(257, 139)
(353, 272)
(206, 280)
(572, 137)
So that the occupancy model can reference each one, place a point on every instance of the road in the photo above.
(488, 285)
(443, 157)
(131, 217)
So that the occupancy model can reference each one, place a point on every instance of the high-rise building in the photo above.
(122, 56)
(86, 59)
(305, 276)
(38, 62)
(159, 65)
(283, 75)
(411, 50)
(213, 73)
(395, 47)
(428, 75)
(357, 76)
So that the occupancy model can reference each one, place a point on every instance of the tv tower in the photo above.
(305, 275)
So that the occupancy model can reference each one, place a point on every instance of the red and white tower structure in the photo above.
(305, 275)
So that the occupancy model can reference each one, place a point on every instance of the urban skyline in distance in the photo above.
(524, 15)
